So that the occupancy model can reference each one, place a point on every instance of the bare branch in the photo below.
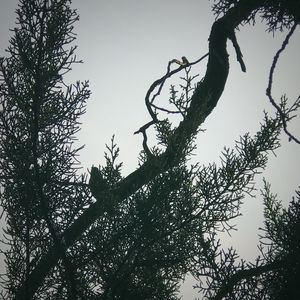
(166, 110)
(160, 82)
(236, 46)
(269, 88)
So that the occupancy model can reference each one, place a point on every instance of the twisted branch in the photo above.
(149, 102)
(269, 88)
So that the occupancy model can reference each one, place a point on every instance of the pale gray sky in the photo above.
(126, 45)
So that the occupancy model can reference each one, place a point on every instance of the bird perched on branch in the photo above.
(184, 61)
(99, 187)
(97, 183)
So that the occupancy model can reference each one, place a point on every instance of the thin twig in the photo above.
(166, 110)
(160, 82)
(149, 102)
(269, 88)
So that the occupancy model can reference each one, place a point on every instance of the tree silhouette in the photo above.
(105, 236)
(38, 125)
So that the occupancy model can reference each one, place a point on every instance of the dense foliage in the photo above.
(105, 236)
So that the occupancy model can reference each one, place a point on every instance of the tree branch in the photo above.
(238, 51)
(269, 88)
(245, 274)
(149, 102)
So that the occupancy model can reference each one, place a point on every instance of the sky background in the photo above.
(126, 45)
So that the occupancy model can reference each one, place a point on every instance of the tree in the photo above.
(39, 119)
(274, 275)
(134, 237)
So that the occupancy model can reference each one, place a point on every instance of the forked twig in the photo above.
(160, 83)
(269, 88)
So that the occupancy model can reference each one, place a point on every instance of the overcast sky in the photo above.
(126, 45)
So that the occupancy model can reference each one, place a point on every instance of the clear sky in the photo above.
(126, 45)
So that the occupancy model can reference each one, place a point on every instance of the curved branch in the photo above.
(160, 82)
(245, 274)
(204, 99)
(149, 103)
(269, 88)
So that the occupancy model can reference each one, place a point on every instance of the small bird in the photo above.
(184, 60)
(99, 188)
(97, 183)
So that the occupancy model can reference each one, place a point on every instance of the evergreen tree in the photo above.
(39, 118)
(275, 273)
(133, 237)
